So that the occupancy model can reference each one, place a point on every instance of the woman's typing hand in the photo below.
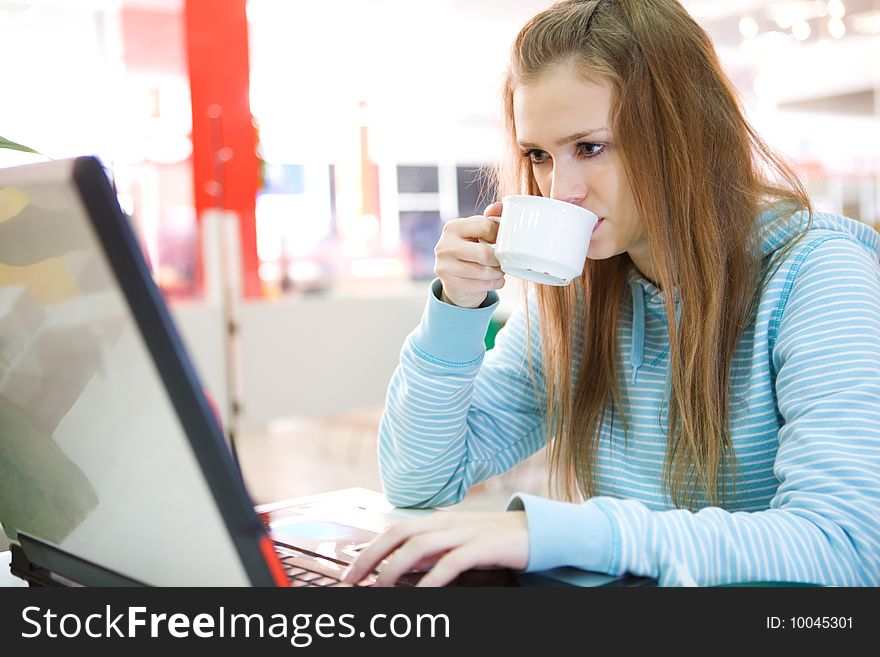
(445, 545)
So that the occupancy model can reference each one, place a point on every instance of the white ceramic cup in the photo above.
(543, 240)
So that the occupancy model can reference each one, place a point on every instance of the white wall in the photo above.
(322, 356)
(304, 357)
(201, 327)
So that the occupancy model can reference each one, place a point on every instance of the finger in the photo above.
(417, 549)
(479, 253)
(497, 284)
(427, 563)
(471, 228)
(468, 251)
(493, 209)
(454, 563)
(489, 228)
(467, 270)
(390, 540)
(378, 549)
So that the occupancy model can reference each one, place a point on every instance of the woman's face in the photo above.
(563, 125)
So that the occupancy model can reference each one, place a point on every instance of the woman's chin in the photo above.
(599, 253)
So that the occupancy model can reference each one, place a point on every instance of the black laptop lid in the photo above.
(109, 451)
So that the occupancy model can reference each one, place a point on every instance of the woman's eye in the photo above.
(589, 149)
(536, 156)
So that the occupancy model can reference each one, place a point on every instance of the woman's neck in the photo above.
(642, 260)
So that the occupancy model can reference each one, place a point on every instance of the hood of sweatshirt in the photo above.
(776, 229)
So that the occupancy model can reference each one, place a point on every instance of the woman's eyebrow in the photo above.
(568, 139)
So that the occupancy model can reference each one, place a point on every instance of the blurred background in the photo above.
(288, 166)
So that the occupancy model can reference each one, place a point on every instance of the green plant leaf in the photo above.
(5, 143)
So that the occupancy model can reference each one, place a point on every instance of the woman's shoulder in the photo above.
(824, 239)
(827, 264)
(779, 225)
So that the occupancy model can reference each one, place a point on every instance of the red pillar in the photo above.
(225, 164)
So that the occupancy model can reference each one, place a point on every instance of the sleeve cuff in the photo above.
(565, 534)
(450, 333)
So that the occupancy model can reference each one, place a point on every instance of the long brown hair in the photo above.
(703, 175)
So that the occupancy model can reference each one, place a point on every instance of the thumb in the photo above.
(493, 210)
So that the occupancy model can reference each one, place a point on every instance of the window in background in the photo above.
(297, 238)
(418, 180)
(419, 232)
(420, 223)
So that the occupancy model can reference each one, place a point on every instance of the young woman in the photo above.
(709, 389)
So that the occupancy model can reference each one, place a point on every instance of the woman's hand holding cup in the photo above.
(465, 260)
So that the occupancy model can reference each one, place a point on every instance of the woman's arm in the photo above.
(456, 415)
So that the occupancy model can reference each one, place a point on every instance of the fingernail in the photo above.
(346, 573)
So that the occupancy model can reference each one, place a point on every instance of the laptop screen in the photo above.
(94, 458)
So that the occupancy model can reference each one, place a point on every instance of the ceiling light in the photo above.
(748, 27)
(801, 30)
(836, 28)
(836, 8)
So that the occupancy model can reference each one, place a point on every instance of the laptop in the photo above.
(113, 467)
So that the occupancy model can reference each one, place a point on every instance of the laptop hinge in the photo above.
(40, 564)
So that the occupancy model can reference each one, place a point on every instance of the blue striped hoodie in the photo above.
(804, 418)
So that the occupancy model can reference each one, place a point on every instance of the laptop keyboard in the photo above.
(312, 572)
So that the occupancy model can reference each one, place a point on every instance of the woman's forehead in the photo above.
(561, 100)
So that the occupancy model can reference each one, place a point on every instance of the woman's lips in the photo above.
(598, 223)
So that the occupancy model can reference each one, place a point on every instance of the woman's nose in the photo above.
(568, 185)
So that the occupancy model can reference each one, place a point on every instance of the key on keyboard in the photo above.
(307, 571)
